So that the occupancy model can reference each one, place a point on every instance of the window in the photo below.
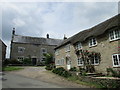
(43, 59)
(114, 35)
(60, 62)
(78, 46)
(43, 50)
(92, 42)
(116, 60)
(67, 48)
(57, 52)
(80, 61)
(21, 49)
(95, 60)
(20, 58)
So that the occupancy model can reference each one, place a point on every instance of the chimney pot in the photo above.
(65, 37)
(13, 31)
(47, 35)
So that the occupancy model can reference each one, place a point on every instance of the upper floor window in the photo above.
(57, 52)
(92, 42)
(116, 60)
(114, 35)
(80, 61)
(21, 49)
(43, 50)
(67, 48)
(78, 45)
(95, 60)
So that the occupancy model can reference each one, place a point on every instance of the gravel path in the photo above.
(41, 74)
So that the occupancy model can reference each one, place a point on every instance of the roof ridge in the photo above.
(37, 37)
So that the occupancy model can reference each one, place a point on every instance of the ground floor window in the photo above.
(20, 58)
(95, 60)
(80, 61)
(116, 60)
(60, 62)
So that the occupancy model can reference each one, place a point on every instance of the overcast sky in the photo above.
(37, 18)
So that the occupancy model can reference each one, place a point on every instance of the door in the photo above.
(68, 64)
(34, 60)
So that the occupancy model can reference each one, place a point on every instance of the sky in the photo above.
(55, 18)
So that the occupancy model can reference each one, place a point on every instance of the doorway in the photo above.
(68, 62)
(34, 61)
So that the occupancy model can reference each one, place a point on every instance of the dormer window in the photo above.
(67, 48)
(92, 42)
(114, 35)
(78, 45)
(57, 52)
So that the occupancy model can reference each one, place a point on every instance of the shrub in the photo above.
(50, 67)
(113, 72)
(14, 61)
(62, 72)
(27, 61)
(73, 69)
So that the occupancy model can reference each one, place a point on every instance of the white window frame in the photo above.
(114, 35)
(22, 58)
(78, 46)
(80, 62)
(23, 49)
(57, 52)
(67, 48)
(60, 61)
(95, 61)
(92, 40)
(118, 60)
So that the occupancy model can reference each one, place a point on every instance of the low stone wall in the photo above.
(103, 82)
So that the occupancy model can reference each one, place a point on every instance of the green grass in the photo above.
(12, 68)
(76, 80)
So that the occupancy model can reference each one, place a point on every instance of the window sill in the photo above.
(114, 40)
(118, 66)
(67, 51)
(92, 46)
(95, 64)
(80, 65)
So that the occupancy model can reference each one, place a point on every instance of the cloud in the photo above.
(17, 22)
(56, 18)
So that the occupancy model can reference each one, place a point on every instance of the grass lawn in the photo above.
(76, 80)
(12, 68)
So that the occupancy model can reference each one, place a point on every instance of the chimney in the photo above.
(13, 32)
(47, 35)
(65, 37)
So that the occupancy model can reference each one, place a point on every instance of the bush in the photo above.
(113, 72)
(14, 62)
(27, 61)
(62, 72)
(73, 69)
(50, 67)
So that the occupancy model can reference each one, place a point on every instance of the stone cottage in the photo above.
(32, 47)
(103, 38)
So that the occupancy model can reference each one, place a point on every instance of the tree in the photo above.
(87, 58)
(48, 58)
(27, 60)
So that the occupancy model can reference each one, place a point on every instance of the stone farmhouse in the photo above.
(32, 47)
(2, 52)
(103, 38)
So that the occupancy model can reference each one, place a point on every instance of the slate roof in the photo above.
(35, 40)
(94, 31)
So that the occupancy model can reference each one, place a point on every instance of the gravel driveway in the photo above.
(41, 74)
